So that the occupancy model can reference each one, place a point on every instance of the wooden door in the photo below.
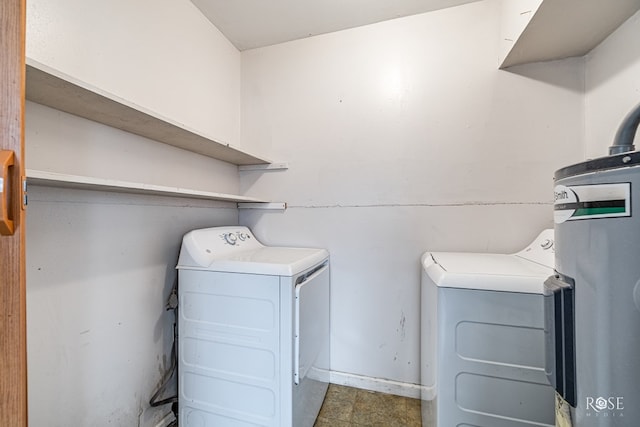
(13, 341)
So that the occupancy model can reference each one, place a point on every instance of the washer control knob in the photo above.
(230, 238)
(242, 236)
(546, 244)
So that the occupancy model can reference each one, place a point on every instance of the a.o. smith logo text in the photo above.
(560, 195)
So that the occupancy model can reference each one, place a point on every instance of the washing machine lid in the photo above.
(491, 272)
(236, 250)
(273, 261)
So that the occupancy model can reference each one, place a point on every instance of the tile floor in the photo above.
(346, 406)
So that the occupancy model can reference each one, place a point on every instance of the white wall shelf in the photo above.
(52, 179)
(278, 206)
(268, 167)
(567, 28)
(57, 90)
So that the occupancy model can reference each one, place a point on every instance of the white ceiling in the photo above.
(255, 23)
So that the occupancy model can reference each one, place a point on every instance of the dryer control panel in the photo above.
(541, 250)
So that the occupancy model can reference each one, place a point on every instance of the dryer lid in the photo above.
(491, 272)
(524, 271)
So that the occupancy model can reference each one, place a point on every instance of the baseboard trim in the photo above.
(375, 384)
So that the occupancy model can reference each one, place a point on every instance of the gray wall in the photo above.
(403, 137)
(612, 86)
(100, 265)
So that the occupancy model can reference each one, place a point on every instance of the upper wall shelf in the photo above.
(54, 89)
(52, 179)
(567, 28)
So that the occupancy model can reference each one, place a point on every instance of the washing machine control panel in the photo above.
(201, 247)
(236, 237)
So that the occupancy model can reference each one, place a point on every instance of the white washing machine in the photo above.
(253, 331)
(482, 338)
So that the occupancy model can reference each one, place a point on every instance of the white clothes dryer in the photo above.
(253, 331)
(482, 338)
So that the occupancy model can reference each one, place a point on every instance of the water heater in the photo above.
(592, 303)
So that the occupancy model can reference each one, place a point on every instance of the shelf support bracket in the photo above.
(267, 205)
